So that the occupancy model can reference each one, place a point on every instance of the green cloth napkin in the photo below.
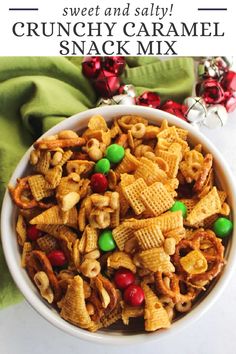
(39, 92)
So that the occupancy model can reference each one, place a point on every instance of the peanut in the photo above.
(67, 134)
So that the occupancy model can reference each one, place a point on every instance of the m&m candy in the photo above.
(103, 166)
(115, 153)
(99, 183)
(179, 206)
(33, 233)
(222, 227)
(123, 278)
(134, 295)
(57, 258)
(106, 241)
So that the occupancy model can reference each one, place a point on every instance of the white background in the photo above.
(183, 11)
(23, 331)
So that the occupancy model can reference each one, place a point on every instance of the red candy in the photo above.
(115, 65)
(149, 99)
(229, 81)
(106, 84)
(33, 233)
(134, 295)
(230, 101)
(57, 258)
(91, 67)
(123, 278)
(99, 183)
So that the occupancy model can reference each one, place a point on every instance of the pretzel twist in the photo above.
(17, 194)
(99, 311)
(213, 254)
(173, 290)
(38, 261)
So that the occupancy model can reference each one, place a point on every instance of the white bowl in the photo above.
(12, 254)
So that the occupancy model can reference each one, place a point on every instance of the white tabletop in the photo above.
(23, 331)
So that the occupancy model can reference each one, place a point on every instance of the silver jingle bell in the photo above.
(229, 61)
(129, 90)
(116, 100)
(123, 100)
(104, 102)
(212, 67)
(196, 109)
(216, 117)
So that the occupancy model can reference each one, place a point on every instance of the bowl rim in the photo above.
(106, 337)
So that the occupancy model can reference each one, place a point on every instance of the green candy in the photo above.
(222, 227)
(179, 206)
(106, 241)
(115, 153)
(102, 166)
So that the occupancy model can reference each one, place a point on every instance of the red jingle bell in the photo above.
(106, 84)
(211, 91)
(115, 65)
(99, 183)
(149, 99)
(198, 88)
(230, 101)
(229, 81)
(57, 258)
(91, 67)
(222, 63)
(175, 108)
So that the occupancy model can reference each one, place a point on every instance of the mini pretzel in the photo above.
(21, 201)
(62, 143)
(94, 299)
(182, 248)
(203, 173)
(17, 194)
(43, 205)
(38, 261)
(215, 261)
(174, 289)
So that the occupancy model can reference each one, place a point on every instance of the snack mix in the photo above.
(121, 222)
